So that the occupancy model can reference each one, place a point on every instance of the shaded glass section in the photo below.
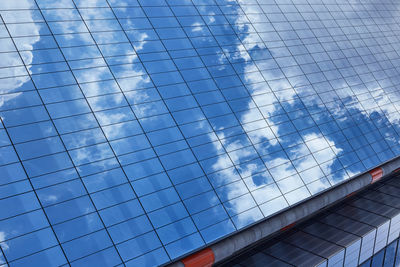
(389, 256)
(138, 131)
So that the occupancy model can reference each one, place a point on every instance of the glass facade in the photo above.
(387, 257)
(137, 131)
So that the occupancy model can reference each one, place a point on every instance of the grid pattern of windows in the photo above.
(387, 257)
(137, 131)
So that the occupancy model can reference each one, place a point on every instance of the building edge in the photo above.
(285, 219)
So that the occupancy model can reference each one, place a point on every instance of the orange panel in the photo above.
(376, 174)
(287, 227)
(204, 258)
(351, 194)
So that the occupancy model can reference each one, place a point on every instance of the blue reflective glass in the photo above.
(377, 260)
(390, 254)
(154, 128)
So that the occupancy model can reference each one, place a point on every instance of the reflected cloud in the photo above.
(236, 204)
(3, 244)
(273, 152)
(50, 198)
(141, 41)
(13, 59)
(284, 96)
(197, 27)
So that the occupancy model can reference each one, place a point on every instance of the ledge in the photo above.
(286, 218)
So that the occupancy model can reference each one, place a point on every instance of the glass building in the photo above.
(136, 132)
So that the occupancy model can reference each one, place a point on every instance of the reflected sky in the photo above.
(139, 131)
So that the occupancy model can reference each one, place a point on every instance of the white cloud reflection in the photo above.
(19, 74)
(3, 244)
(262, 132)
(314, 173)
